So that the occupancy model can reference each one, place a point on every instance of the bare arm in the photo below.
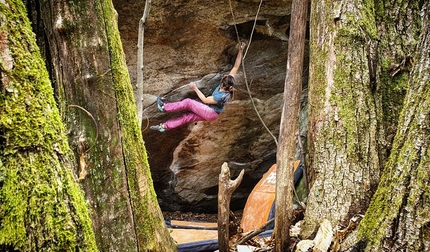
(233, 71)
(238, 60)
(203, 98)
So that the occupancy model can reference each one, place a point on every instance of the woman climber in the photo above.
(208, 109)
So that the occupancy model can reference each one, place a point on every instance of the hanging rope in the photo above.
(247, 86)
(234, 22)
(243, 65)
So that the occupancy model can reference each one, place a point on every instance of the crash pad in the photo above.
(260, 201)
(192, 235)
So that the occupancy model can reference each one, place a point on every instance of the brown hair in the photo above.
(227, 83)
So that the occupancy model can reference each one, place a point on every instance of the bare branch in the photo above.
(256, 232)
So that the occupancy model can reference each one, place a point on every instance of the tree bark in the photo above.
(226, 189)
(343, 126)
(398, 216)
(398, 36)
(352, 44)
(42, 208)
(91, 73)
(289, 125)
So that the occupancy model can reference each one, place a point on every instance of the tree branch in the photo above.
(255, 232)
(139, 73)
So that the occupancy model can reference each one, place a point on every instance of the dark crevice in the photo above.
(244, 30)
(8, 248)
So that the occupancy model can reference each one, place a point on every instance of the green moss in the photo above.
(373, 225)
(396, 46)
(393, 90)
(42, 207)
(392, 194)
(404, 184)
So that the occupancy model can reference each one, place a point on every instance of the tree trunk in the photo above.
(351, 111)
(393, 51)
(398, 216)
(42, 207)
(343, 126)
(91, 75)
(289, 125)
(226, 189)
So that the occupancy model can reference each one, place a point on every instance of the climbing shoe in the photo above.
(158, 128)
(160, 104)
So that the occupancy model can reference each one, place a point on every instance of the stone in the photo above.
(189, 41)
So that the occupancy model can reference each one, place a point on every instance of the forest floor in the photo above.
(235, 233)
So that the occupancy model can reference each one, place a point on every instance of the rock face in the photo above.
(196, 41)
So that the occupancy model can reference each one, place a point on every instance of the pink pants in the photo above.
(197, 111)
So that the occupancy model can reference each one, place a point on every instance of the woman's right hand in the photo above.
(241, 46)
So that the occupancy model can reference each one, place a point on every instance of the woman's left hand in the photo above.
(193, 86)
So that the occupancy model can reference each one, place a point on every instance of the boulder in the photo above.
(189, 41)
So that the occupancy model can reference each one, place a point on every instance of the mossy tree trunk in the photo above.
(96, 99)
(398, 35)
(398, 218)
(343, 126)
(42, 208)
(352, 46)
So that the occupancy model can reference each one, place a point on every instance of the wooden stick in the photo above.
(226, 189)
(255, 232)
(139, 70)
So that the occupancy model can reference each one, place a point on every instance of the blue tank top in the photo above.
(221, 98)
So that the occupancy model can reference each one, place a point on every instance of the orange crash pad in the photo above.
(260, 201)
